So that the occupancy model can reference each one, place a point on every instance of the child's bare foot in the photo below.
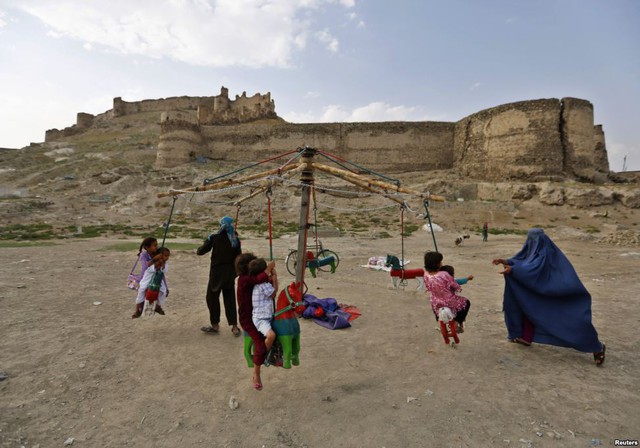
(459, 328)
(257, 383)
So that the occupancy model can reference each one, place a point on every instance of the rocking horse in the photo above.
(399, 275)
(285, 324)
(314, 263)
(151, 294)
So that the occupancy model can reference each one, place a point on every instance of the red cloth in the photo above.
(354, 311)
(245, 309)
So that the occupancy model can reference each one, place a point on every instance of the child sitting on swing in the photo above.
(159, 264)
(262, 300)
(460, 280)
(444, 290)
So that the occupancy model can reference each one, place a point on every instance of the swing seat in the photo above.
(400, 276)
(314, 263)
(448, 327)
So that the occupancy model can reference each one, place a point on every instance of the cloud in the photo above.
(372, 112)
(311, 95)
(3, 22)
(326, 38)
(379, 111)
(510, 20)
(220, 33)
(331, 43)
(353, 16)
(475, 86)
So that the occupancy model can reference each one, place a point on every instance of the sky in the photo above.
(322, 60)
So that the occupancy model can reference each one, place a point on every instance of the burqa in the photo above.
(544, 287)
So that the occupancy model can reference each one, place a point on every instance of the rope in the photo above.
(237, 214)
(403, 281)
(426, 207)
(323, 189)
(166, 227)
(289, 161)
(269, 223)
(372, 209)
(395, 181)
(187, 204)
(219, 190)
(336, 162)
(315, 218)
(222, 176)
(402, 233)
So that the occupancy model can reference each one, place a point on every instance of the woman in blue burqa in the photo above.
(545, 301)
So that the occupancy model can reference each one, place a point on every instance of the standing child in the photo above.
(159, 264)
(485, 232)
(444, 289)
(262, 301)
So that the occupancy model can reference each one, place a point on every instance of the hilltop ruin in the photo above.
(544, 139)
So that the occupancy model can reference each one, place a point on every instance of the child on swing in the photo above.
(244, 293)
(461, 280)
(262, 301)
(159, 263)
(147, 250)
(444, 290)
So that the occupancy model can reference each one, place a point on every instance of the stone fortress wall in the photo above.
(528, 140)
(207, 109)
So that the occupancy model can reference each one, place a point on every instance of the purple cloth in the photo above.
(334, 318)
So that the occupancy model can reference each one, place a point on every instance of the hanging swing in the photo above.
(323, 259)
(400, 275)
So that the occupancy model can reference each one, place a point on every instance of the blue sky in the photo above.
(322, 60)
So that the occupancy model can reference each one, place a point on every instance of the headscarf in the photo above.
(226, 226)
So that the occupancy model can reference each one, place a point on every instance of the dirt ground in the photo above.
(88, 372)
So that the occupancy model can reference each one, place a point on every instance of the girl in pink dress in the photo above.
(444, 290)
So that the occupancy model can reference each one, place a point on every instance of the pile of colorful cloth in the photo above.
(328, 312)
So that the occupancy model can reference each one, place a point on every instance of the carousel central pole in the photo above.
(306, 178)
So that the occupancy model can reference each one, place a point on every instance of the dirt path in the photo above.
(91, 373)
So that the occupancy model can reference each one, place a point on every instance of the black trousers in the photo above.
(213, 303)
(462, 314)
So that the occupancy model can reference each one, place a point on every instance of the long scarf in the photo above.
(226, 226)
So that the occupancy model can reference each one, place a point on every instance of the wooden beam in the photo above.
(228, 182)
(346, 175)
(358, 182)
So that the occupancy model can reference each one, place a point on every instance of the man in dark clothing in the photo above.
(225, 247)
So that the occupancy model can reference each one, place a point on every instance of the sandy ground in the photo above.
(91, 373)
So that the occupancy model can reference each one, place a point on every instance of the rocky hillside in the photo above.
(104, 181)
